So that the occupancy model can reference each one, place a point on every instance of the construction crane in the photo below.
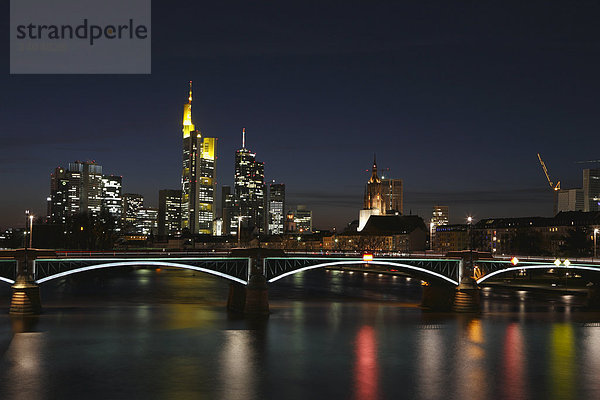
(552, 185)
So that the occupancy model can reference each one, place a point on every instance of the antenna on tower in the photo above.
(190, 98)
(243, 138)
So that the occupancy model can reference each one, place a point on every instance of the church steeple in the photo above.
(374, 177)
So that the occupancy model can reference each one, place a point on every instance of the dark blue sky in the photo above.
(456, 99)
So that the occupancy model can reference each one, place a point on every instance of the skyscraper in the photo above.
(276, 208)
(198, 178)
(169, 212)
(391, 191)
(227, 208)
(303, 219)
(132, 203)
(249, 189)
(112, 199)
(81, 188)
(439, 217)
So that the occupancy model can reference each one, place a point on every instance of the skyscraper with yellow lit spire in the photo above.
(198, 177)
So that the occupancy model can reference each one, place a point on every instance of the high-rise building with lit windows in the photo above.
(249, 190)
(303, 219)
(132, 203)
(591, 189)
(198, 178)
(227, 209)
(169, 212)
(77, 189)
(440, 216)
(276, 208)
(112, 198)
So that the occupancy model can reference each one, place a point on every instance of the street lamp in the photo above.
(30, 230)
(26, 223)
(595, 249)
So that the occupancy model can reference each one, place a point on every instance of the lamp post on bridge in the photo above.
(595, 248)
(25, 238)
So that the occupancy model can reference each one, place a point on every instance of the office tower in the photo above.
(198, 178)
(146, 221)
(591, 189)
(90, 185)
(391, 191)
(440, 215)
(227, 209)
(303, 219)
(276, 208)
(76, 189)
(570, 200)
(249, 189)
(112, 199)
(169, 212)
(58, 206)
(132, 203)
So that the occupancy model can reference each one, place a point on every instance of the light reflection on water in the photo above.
(330, 335)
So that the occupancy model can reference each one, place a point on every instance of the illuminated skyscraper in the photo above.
(276, 208)
(78, 189)
(169, 212)
(391, 191)
(112, 199)
(198, 178)
(439, 217)
(227, 209)
(249, 190)
(303, 219)
(132, 203)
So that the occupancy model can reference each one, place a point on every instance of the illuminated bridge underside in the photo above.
(446, 270)
(234, 269)
(490, 268)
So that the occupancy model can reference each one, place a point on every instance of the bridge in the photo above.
(447, 280)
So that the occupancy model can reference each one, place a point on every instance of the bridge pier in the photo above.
(467, 297)
(253, 299)
(25, 291)
(438, 297)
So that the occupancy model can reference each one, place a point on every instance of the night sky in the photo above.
(455, 98)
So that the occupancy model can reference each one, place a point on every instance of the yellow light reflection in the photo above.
(471, 368)
(562, 364)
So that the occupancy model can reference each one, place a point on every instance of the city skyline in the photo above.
(476, 102)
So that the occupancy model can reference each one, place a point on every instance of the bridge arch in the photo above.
(538, 266)
(398, 265)
(138, 263)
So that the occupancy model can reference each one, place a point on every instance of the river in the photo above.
(165, 334)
